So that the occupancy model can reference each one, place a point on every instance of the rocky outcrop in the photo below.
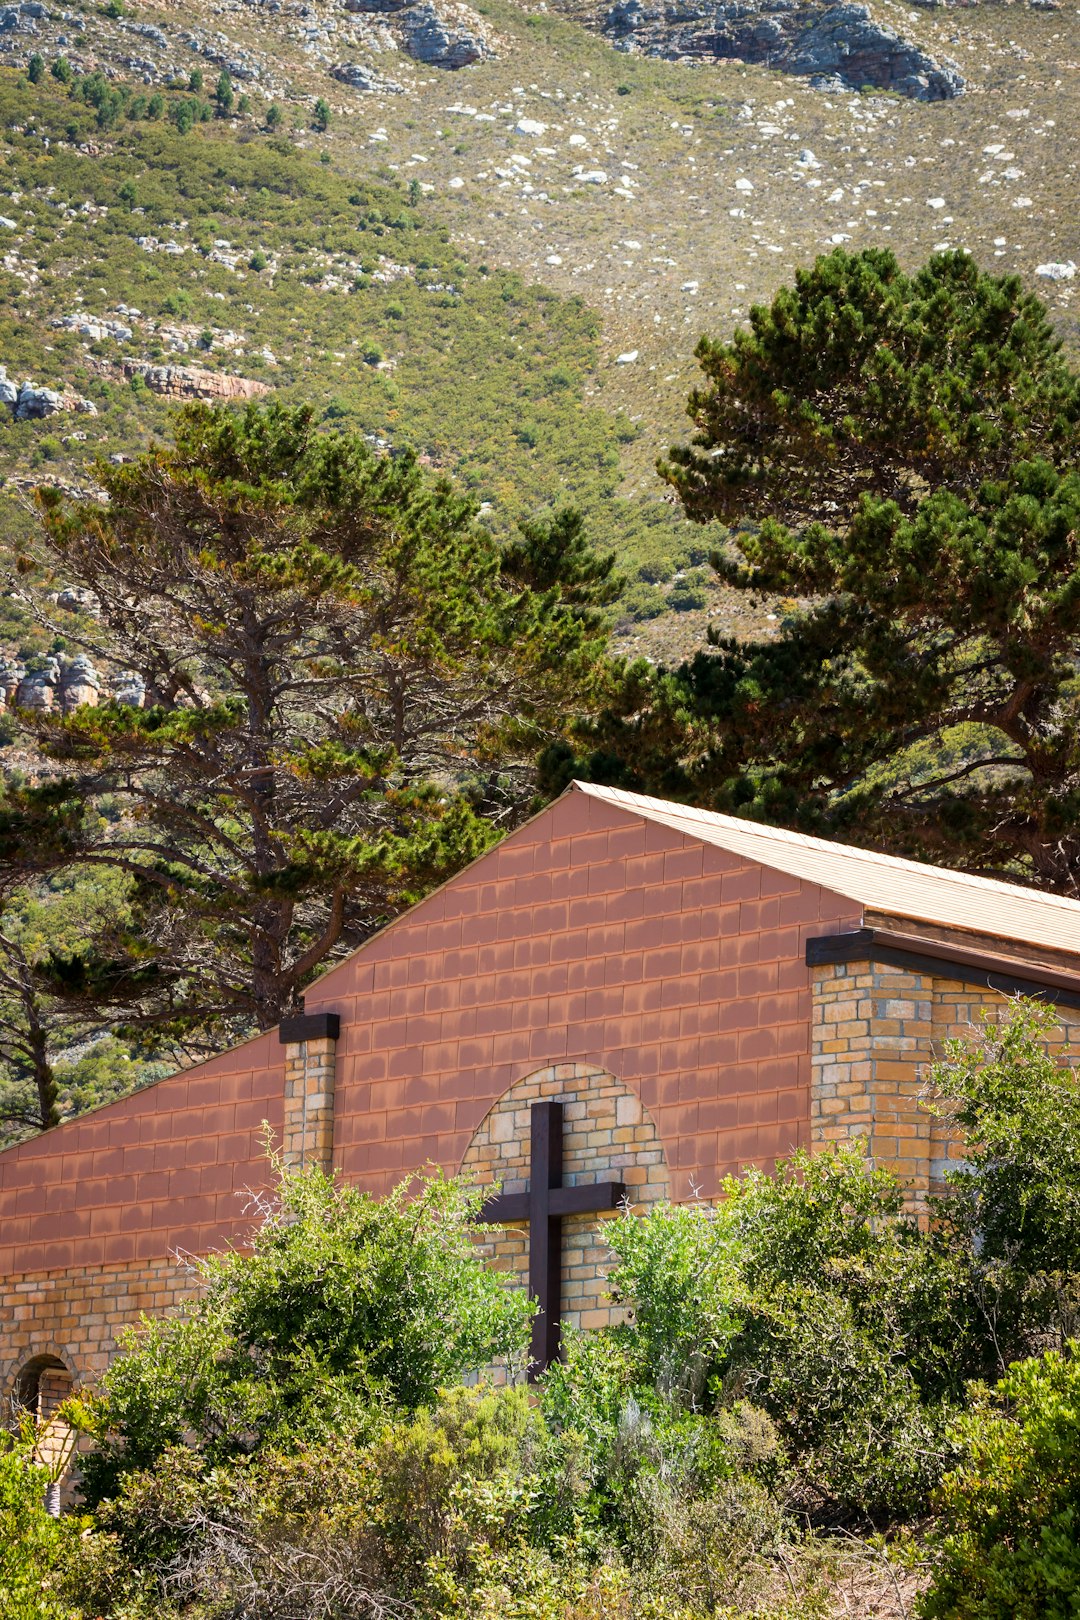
(432, 38)
(77, 599)
(27, 402)
(446, 35)
(842, 43)
(59, 685)
(190, 382)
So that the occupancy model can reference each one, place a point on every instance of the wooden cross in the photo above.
(544, 1206)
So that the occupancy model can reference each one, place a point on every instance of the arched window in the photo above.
(41, 1385)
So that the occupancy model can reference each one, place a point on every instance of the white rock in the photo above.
(456, 183)
(1021, 202)
(577, 140)
(935, 202)
(530, 126)
(8, 224)
(553, 258)
(744, 185)
(626, 359)
(807, 159)
(591, 177)
(1056, 270)
(690, 286)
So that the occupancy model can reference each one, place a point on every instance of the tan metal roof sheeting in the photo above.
(883, 883)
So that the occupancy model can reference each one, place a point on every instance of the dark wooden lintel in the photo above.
(309, 1027)
(969, 966)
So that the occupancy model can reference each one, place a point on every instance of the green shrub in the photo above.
(35, 68)
(1009, 1545)
(33, 1546)
(320, 117)
(347, 1308)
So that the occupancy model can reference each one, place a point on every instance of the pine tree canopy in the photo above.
(347, 680)
(895, 459)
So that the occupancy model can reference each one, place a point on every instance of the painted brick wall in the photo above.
(588, 936)
(92, 1213)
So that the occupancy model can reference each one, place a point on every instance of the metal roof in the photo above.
(884, 883)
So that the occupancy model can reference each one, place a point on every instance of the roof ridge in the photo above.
(668, 810)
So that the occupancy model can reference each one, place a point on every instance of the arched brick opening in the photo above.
(41, 1384)
(608, 1135)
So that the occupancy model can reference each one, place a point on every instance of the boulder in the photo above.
(128, 687)
(1057, 270)
(80, 684)
(359, 77)
(77, 599)
(33, 403)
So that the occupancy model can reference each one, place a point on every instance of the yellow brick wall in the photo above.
(607, 1136)
(876, 1030)
(77, 1315)
(308, 1137)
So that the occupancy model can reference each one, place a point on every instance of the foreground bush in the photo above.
(1011, 1550)
(33, 1546)
(802, 1359)
(347, 1310)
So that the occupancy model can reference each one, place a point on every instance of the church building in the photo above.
(625, 999)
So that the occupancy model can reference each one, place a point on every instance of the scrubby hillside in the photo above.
(506, 239)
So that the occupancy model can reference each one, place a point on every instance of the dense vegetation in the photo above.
(801, 1363)
(895, 455)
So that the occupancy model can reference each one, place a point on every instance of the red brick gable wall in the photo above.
(588, 935)
(161, 1170)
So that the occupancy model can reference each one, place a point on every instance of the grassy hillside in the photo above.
(438, 265)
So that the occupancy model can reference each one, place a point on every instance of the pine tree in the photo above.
(346, 686)
(895, 455)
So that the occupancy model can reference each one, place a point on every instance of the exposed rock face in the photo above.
(189, 382)
(66, 684)
(446, 35)
(840, 42)
(435, 40)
